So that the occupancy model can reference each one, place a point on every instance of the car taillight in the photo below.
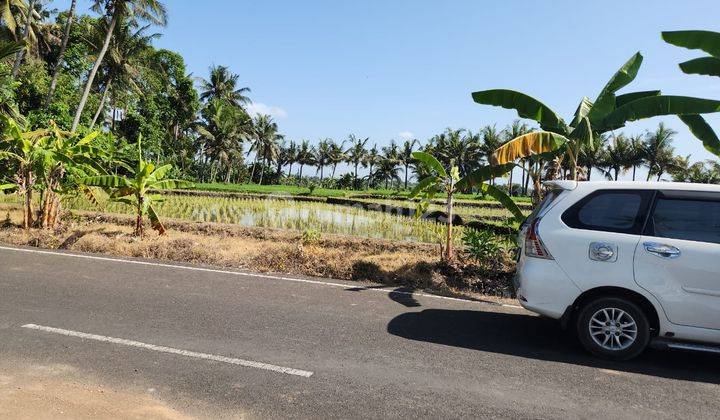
(534, 246)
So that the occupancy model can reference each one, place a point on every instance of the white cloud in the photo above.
(257, 108)
(406, 135)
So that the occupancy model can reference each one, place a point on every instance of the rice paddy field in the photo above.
(467, 212)
(282, 214)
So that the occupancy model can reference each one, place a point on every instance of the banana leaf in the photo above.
(695, 40)
(708, 66)
(431, 162)
(535, 143)
(702, 130)
(525, 105)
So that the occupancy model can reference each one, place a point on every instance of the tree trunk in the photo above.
(139, 218)
(300, 175)
(102, 103)
(27, 207)
(448, 235)
(21, 54)
(634, 168)
(355, 178)
(510, 185)
(93, 72)
(262, 170)
(322, 167)
(61, 54)
(406, 176)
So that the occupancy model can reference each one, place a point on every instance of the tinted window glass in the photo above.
(692, 220)
(549, 198)
(621, 211)
(611, 211)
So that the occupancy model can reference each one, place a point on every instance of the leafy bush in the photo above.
(310, 236)
(481, 246)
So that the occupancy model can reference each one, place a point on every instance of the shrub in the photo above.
(482, 245)
(310, 236)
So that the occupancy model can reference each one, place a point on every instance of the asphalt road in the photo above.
(347, 351)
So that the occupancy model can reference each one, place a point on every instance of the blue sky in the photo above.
(383, 69)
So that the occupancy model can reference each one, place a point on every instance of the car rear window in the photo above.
(551, 196)
(621, 211)
(691, 220)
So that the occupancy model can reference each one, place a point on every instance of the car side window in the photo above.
(690, 220)
(621, 211)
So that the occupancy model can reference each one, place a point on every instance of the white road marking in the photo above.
(265, 276)
(163, 349)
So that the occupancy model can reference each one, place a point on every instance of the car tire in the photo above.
(613, 328)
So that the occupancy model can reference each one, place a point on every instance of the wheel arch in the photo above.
(619, 292)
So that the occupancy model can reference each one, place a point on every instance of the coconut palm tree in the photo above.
(515, 130)
(372, 158)
(133, 11)
(8, 15)
(406, 158)
(608, 112)
(321, 156)
(29, 15)
(61, 55)
(337, 155)
(266, 141)
(657, 149)
(617, 157)
(125, 61)
(291, 155)
(223, 85)
(356, 154)
(304, 156)
(222, 131)
(593, 156)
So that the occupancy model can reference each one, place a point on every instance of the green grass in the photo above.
(326, 192)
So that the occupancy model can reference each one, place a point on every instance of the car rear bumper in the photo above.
(542, 287)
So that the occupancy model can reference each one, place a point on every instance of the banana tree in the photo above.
(708, 42)
(47, 161)
(133, 190)
(448, 181)
(609, 111)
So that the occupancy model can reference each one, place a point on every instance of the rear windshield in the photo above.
(550, 197)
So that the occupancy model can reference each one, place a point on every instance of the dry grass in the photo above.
(394, 263)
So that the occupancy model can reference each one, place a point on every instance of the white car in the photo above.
(626, 264)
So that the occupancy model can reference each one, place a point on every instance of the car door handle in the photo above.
(661, 250)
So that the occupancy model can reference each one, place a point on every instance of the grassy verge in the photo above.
(394, 263)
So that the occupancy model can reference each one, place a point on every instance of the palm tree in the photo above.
(636, 154)
(152, 11)
(29, 15)
(61, 54)
(337, 155)
(125, 61)
(356, 154)
(222, 131)
(223, 85)
(618, 157)
(665, 162)
(7, 15)
(322, 155)
(266, 141)
(406, 158)
(304, 156)
(291, 155)
(372, 158)
(591, 119)
(592, 156)
(657, 147)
